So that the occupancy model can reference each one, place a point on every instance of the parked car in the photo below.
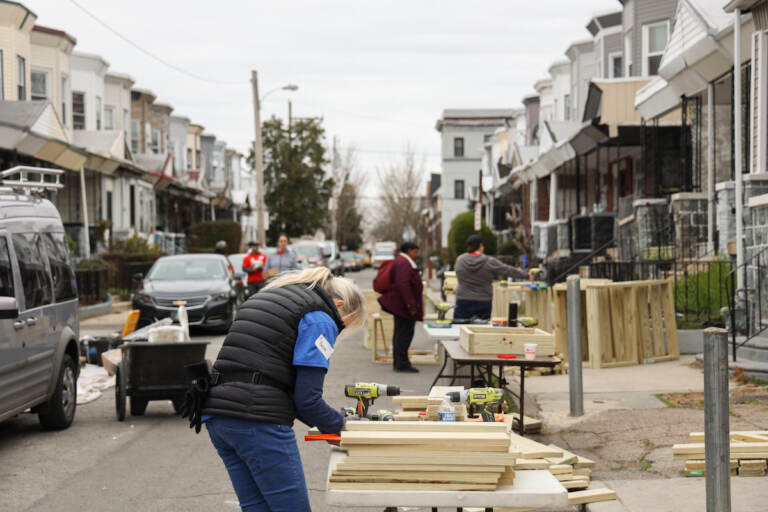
(332, 255)
(308, 254)
(352, 261)
(202, 281)
(366, 258)
(39, 325)
(380, 257)
(240, 277)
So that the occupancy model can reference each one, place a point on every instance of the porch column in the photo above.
(534, 197)
(84, 200)
(710, 167)
(552, 196)
(737, 150)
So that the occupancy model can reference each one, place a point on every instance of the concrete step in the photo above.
(755, 349)
(754, 369)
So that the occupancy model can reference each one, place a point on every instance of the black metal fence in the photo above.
(92, 285)
(748, 303)
(702, 288)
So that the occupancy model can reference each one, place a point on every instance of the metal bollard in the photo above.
(717, 446)
(574, 347)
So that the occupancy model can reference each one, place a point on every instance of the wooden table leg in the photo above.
(522, 401)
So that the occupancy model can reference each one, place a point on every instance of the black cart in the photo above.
(154, 371)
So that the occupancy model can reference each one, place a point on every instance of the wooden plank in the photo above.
(632, 331)
(608, 353)
(401, 415)
(532, 464)
(348, 465)
(396, 456)
(654, 301)
(530, 449)
(416, 476)
(567, 458)
(618, 322)
(670, 321)
(575, 484)
(448, 441)
(559, 469)
(593, 327)
(644, 323)
(583, 463)
(411, 403)
(424, 426)
(591, 496)
(389, 486)
(755, 436)
(739, 449)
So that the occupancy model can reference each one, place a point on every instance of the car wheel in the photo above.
(59, 411)
(231, 319)
(138, 406)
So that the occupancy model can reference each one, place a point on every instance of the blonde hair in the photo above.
(338, 287)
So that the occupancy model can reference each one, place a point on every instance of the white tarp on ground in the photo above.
(92, 381)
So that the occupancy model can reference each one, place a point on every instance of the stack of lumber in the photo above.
(435, 398)
(749, 453)
(571, 470)
(424, 456)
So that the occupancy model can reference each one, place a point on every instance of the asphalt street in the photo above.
(155, 462)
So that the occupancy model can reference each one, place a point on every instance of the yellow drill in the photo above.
(366, 393)
(483, 401)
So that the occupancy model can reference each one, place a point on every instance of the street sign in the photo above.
(478, 220)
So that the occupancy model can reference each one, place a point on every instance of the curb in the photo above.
(104, 308)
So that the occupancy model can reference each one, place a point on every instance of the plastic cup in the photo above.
(530, 350)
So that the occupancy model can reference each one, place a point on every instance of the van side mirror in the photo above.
(9, 308)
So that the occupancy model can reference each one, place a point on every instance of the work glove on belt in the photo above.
(199, 379)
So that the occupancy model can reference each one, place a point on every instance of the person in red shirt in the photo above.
(253, 265)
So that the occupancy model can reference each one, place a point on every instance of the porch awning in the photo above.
(32, 129)
(699, 51)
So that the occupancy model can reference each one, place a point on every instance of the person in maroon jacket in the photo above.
(404, 302)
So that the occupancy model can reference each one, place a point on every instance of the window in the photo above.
(628, 55)
(135, 137)
(654, 41)
(567, 107)
(458, 147)
(197, 159)
(64, 96)
(78, 110)
(109, 118)
(155, 140)
(189, 158)
(458, 189)
(126, 123)
(64, 285)
(616, 61)
(34, 278)
(39, 83)
(22, 77)
(6, 273)
(98, 113)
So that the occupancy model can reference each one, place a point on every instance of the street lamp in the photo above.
(258, 150)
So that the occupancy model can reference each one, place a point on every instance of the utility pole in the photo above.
(290, 122)
(258, 158)
(334, 200)
(84, 199)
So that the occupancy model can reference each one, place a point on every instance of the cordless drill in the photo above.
(483, 401)
(366, 393)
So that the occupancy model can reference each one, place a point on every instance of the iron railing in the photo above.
(747, 303)
(92, 285)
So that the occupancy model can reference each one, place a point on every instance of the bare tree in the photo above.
(345, 217)
(400, 195)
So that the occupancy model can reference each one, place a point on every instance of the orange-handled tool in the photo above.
(323, 437)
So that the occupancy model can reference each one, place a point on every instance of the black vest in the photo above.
(262, 339)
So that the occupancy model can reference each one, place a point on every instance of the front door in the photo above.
(36, 286)
(12, 335)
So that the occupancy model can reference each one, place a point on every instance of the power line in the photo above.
(150, 54)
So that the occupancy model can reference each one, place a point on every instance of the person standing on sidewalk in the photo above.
(404, 301)
(284, 259)
(253, 265)
(476, 272)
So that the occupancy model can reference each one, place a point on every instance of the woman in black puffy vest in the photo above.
(270, 371)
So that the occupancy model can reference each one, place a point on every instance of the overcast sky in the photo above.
(380, 73)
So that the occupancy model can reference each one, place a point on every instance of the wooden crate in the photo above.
(477, 339)
(503, 295)
(560, 317)
(538, 304)
(631, 322)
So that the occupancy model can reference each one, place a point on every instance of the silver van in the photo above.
(39, 327)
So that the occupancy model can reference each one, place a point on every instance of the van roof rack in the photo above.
(23, 179)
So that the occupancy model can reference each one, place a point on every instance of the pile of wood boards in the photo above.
(623, 324)
(571, 470)
(749, 453)
(424, 456)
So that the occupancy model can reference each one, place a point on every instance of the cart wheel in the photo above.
(120, 392)
(177, 404)
(138, 406)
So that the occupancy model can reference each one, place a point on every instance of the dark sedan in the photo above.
(202, 281)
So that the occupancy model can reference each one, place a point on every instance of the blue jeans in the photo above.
(466, 309)
(263, 462)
